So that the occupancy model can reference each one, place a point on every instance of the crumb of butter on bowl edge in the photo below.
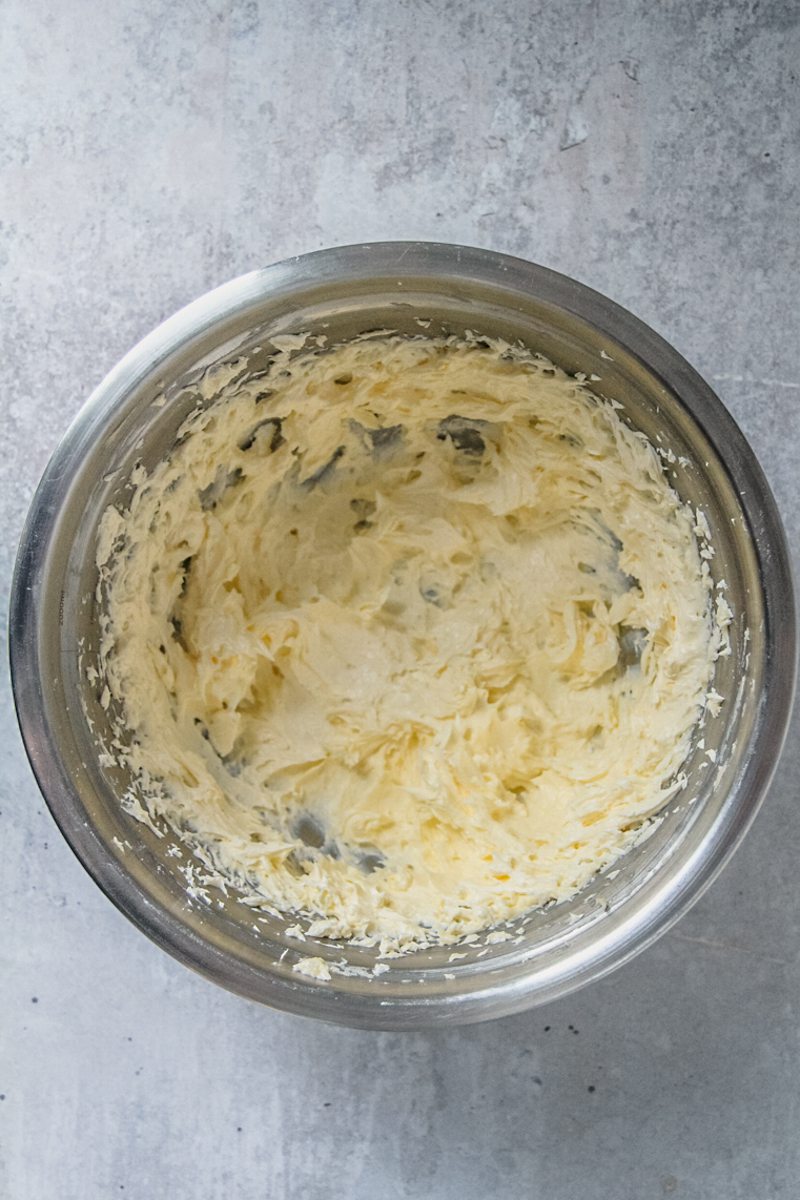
(406, 638)
(313, 968)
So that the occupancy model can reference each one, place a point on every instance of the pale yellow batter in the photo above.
(412, 634)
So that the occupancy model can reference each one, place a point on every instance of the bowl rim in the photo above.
(680, 886)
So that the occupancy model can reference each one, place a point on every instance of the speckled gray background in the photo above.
(150, 150)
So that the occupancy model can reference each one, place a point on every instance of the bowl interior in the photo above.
(135, 420)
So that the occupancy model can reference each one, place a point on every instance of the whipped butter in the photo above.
(411, 635)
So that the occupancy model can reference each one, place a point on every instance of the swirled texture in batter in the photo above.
(412, 635)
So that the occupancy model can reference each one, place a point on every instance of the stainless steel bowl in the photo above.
(343, 292)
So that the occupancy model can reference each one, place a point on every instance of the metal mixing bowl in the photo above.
(343, 292)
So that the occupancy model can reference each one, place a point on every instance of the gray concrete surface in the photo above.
(152, 149)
